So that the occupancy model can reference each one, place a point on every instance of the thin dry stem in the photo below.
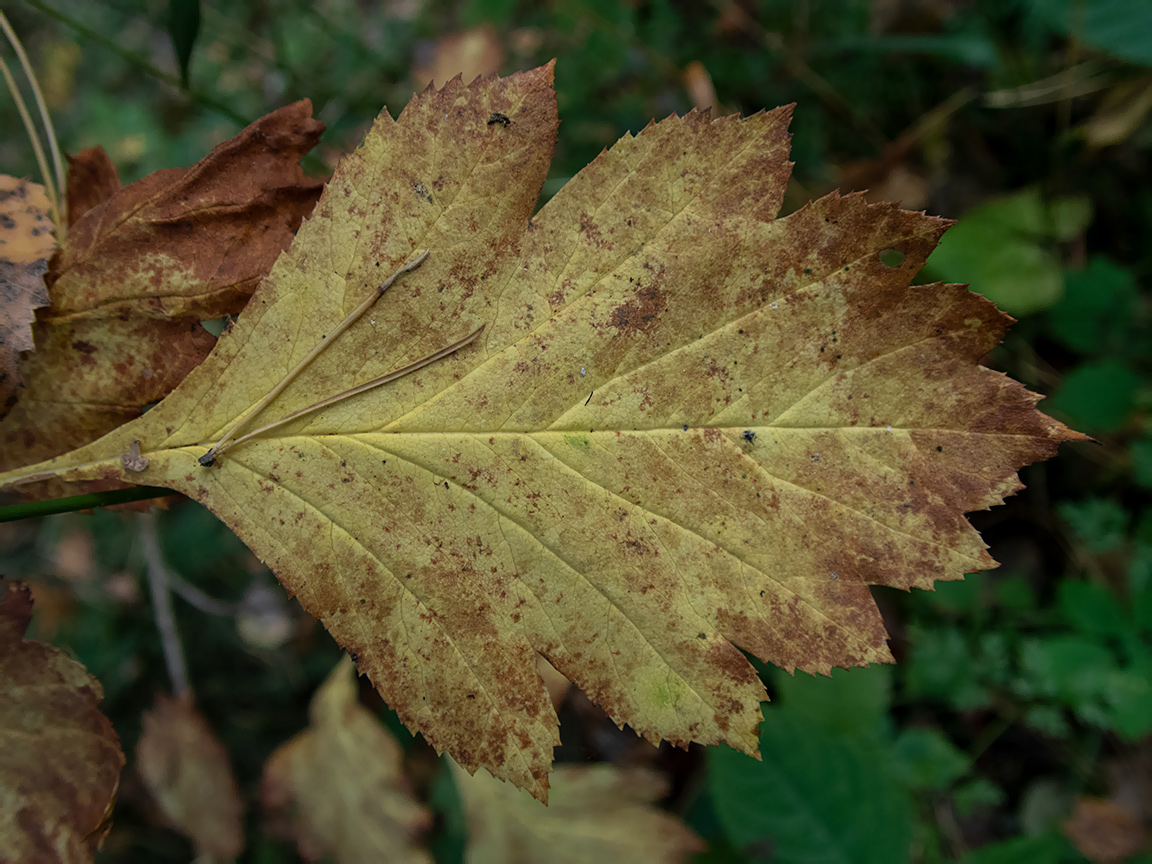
(45, 117)
(209, 457)
(34, 138)
(360, 388)
(159, 588)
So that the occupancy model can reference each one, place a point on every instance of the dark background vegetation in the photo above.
(1015, 726)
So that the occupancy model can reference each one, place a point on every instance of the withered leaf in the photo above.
(187, 772)
(337, 788)
(60, 759)
(92, 180)
(139, 271)
(26, 243)
(595, 813)
(687, 428)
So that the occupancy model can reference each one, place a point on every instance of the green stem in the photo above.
(33, 509)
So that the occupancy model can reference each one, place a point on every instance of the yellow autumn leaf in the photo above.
(685, 426)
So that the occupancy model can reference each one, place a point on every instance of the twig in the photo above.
(158, 585)
(196, 598)
(328, 338)
(45, 117)
(34, 138)
(357, 390)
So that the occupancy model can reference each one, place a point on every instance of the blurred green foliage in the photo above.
(1016, 691)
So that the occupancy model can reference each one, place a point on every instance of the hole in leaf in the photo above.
(891, 257)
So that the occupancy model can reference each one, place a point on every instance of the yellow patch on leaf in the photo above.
(26, 244)
(687, 428)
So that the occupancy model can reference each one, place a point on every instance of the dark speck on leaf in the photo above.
(749, 435)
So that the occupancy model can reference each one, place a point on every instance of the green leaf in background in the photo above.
(941, 666)
(1098, 396)
(818, 797)
(1119, 27)
(1097, 308)
(1070, 669)
(1002, 249)
(1091, 608)
(925, 760)
(183, 27)
(975, 795)
(1140, 586)
(849, 701)
(1049, 848)
(1142, 462)
(1128, 697)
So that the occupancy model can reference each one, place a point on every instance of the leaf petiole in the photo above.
(354, 316)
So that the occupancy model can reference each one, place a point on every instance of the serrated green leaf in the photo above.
(849, 701)
(924, 759)
(1097, 306)
(1098, 396)
(816, 798)
(1002, 249)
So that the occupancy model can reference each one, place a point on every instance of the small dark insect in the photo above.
(497, 117)
(749, 435)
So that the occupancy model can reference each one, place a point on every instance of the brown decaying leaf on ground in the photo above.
(60, 760)
(92, 180)
(140, 269)
(1104, 830)
(595, 813)
(186, 770)
(338, 788)
(26, 243)
(687, 428)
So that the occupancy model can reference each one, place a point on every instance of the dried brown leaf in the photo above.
(595, 813)
(337, 788)
(1104, 831)
(92, 180)
(188, 774)
(60, 759)
(140, 269)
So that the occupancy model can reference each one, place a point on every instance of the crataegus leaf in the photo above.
(595, 813)
(338, 788)
(687, 425)
(139, 270)
(187, 772)
(60, 760)
(26, 243)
